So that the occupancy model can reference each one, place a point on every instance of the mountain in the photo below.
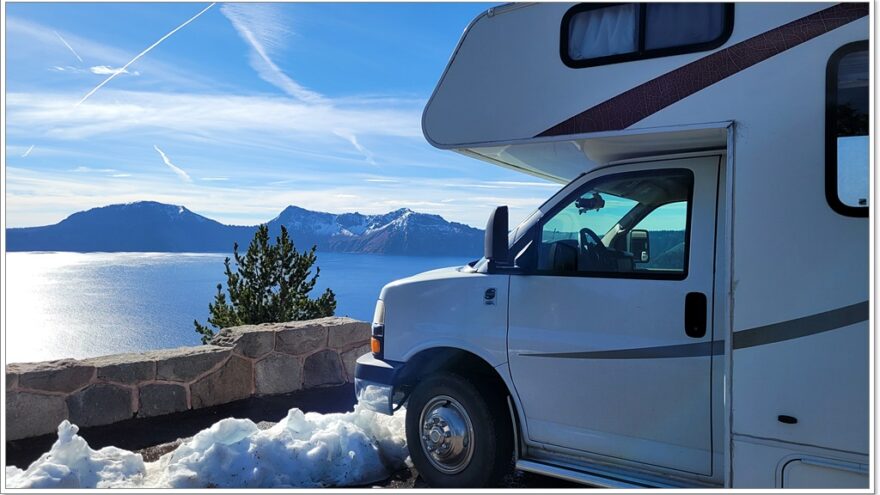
(140, 226)
(401, 231)
(152, 226)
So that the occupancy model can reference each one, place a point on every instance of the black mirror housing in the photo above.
(495, 248)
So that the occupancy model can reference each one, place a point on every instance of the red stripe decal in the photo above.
(646, 99)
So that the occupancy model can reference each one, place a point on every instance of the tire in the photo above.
(453, 404)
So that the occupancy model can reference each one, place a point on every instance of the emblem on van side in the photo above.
(489, 296)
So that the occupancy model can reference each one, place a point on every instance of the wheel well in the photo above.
(461, 362)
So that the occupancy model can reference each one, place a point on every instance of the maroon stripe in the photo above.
(641, 101)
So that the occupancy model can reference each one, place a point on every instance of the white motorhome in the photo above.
(692, 308)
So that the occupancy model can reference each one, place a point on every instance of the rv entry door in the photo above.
(610, 340)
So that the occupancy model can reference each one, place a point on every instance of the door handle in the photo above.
(695, 315)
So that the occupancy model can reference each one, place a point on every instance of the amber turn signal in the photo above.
(375, 345)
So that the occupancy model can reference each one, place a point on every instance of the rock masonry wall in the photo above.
(240, 362)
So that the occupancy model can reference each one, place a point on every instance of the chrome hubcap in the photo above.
(447, 434)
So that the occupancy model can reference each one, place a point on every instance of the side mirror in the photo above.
(495, 249)
(639, 244)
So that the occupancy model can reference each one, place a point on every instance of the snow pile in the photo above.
(72, 464)
(302, 450)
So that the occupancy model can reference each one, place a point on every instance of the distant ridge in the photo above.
(151, 226)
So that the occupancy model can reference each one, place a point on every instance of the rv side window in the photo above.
(846, 130)
(598, 34)
(624, 225)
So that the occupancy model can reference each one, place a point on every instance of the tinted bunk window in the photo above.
(597, 34)
(682, 24)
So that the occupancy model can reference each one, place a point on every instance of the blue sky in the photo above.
(245, 110)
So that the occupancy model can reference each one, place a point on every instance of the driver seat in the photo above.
(563, 256)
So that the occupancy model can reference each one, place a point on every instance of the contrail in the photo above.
(351, 138)
(261, 29)
(177, 170)
(141, 54)
(28, 152)
(68, 47)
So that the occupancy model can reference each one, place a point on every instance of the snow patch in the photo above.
(301, 450)
(72, 464)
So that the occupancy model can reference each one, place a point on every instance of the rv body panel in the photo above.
(785, 386)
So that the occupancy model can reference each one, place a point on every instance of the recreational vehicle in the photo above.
(691, 308)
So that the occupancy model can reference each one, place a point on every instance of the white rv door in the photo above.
(610, 340)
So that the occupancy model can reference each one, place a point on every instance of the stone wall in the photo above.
(240, 362)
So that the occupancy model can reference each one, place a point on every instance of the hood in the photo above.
(428, 276)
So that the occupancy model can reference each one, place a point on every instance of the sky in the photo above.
(243, 111)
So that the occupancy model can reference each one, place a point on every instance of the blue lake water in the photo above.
(88, 304)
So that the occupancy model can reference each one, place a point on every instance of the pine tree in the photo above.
(271, 283)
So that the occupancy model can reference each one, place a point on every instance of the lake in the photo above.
(81, 305)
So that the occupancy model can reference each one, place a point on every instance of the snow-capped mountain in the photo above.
(401, 231)
(152, 226)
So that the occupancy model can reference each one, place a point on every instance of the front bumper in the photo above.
(374, 382)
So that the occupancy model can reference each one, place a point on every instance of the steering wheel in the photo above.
(591, 248)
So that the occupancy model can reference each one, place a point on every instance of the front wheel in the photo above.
(458, 432)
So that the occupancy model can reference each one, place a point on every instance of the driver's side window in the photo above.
(567, 236)
(600, 228)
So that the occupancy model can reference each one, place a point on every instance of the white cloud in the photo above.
(66, 68)
(90, 170)
(517, 183)
(28, 152)
(174, 168)
(503, 184)
(262, 26)
(101, 70)
(214, 116)
(214, 179)
(382, 180)
(104, 70)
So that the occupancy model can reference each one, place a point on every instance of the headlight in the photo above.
(379, 314)
(377, 339)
